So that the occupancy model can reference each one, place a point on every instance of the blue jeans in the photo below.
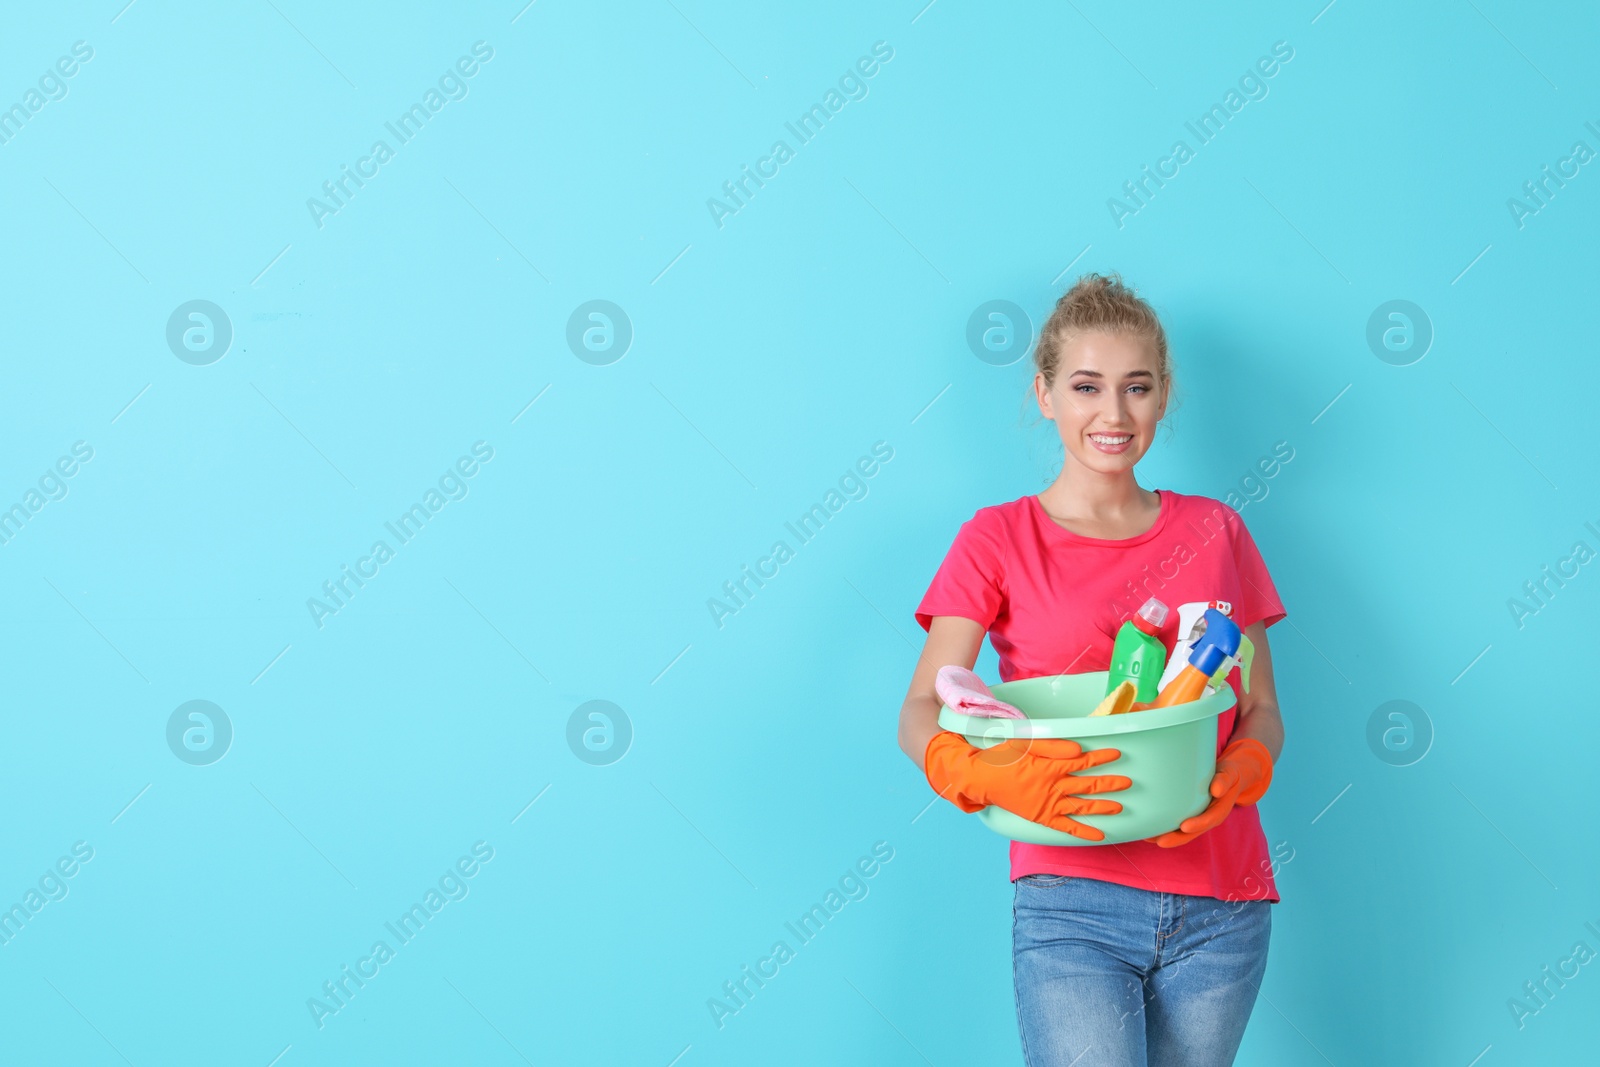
(1108, 975)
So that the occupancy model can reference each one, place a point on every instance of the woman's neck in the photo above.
(1090, 496)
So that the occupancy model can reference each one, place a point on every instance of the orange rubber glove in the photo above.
(1244, 770)
(1031, 777)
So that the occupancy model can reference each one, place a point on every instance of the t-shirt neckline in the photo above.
(1108, 542)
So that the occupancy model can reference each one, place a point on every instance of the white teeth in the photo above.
(1107, 439)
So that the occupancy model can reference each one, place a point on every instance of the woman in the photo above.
(1146, 954)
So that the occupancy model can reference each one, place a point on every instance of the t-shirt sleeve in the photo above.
(971, 580)
(1258, 597)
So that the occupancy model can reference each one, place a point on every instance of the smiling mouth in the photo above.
(1111, 444)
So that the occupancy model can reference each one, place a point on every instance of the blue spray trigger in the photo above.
(1218, 643)
(1222, 630)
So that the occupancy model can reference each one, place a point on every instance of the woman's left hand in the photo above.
(1244, 770)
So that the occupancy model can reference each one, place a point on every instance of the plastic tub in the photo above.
(1170, 754)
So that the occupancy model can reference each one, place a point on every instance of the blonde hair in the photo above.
(1104, 303)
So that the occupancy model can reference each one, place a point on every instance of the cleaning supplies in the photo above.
(964, 692)
(1190, 627)
(1212, 651)
(1138, 655)
(1191, 624)
(1117, 702)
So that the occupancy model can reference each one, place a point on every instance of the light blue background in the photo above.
(768, 355)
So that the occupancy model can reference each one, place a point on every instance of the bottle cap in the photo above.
(1152, 616)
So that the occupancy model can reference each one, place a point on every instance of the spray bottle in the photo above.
(1190, 627)
(1139, 656)
(1213, 651)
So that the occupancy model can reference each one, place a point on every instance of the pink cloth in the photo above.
(963, 691)
(1052, 601)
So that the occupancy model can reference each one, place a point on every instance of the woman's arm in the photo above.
(951, 640)
(1258, 709)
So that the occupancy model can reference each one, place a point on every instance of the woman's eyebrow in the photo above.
(1097, 374)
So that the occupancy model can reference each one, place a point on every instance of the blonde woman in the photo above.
(1146, 954)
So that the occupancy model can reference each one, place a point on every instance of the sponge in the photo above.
(1118, 701)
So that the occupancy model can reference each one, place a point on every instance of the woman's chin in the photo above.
(1102, 463)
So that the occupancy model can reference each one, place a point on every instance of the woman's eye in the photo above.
(1082, 387)
(1138, 389)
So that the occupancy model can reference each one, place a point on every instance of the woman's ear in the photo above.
(1041, 392)
(1166, 393)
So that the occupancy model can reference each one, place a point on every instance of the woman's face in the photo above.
(1106, 401)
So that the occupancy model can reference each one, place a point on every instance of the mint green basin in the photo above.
(1169, 753)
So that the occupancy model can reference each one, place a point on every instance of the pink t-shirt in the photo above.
(1053, 600)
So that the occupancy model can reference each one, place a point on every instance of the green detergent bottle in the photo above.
(1139, 656)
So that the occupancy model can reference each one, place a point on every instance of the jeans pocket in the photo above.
(1044, 881)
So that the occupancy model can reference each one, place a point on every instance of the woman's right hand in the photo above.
(1031, 777)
